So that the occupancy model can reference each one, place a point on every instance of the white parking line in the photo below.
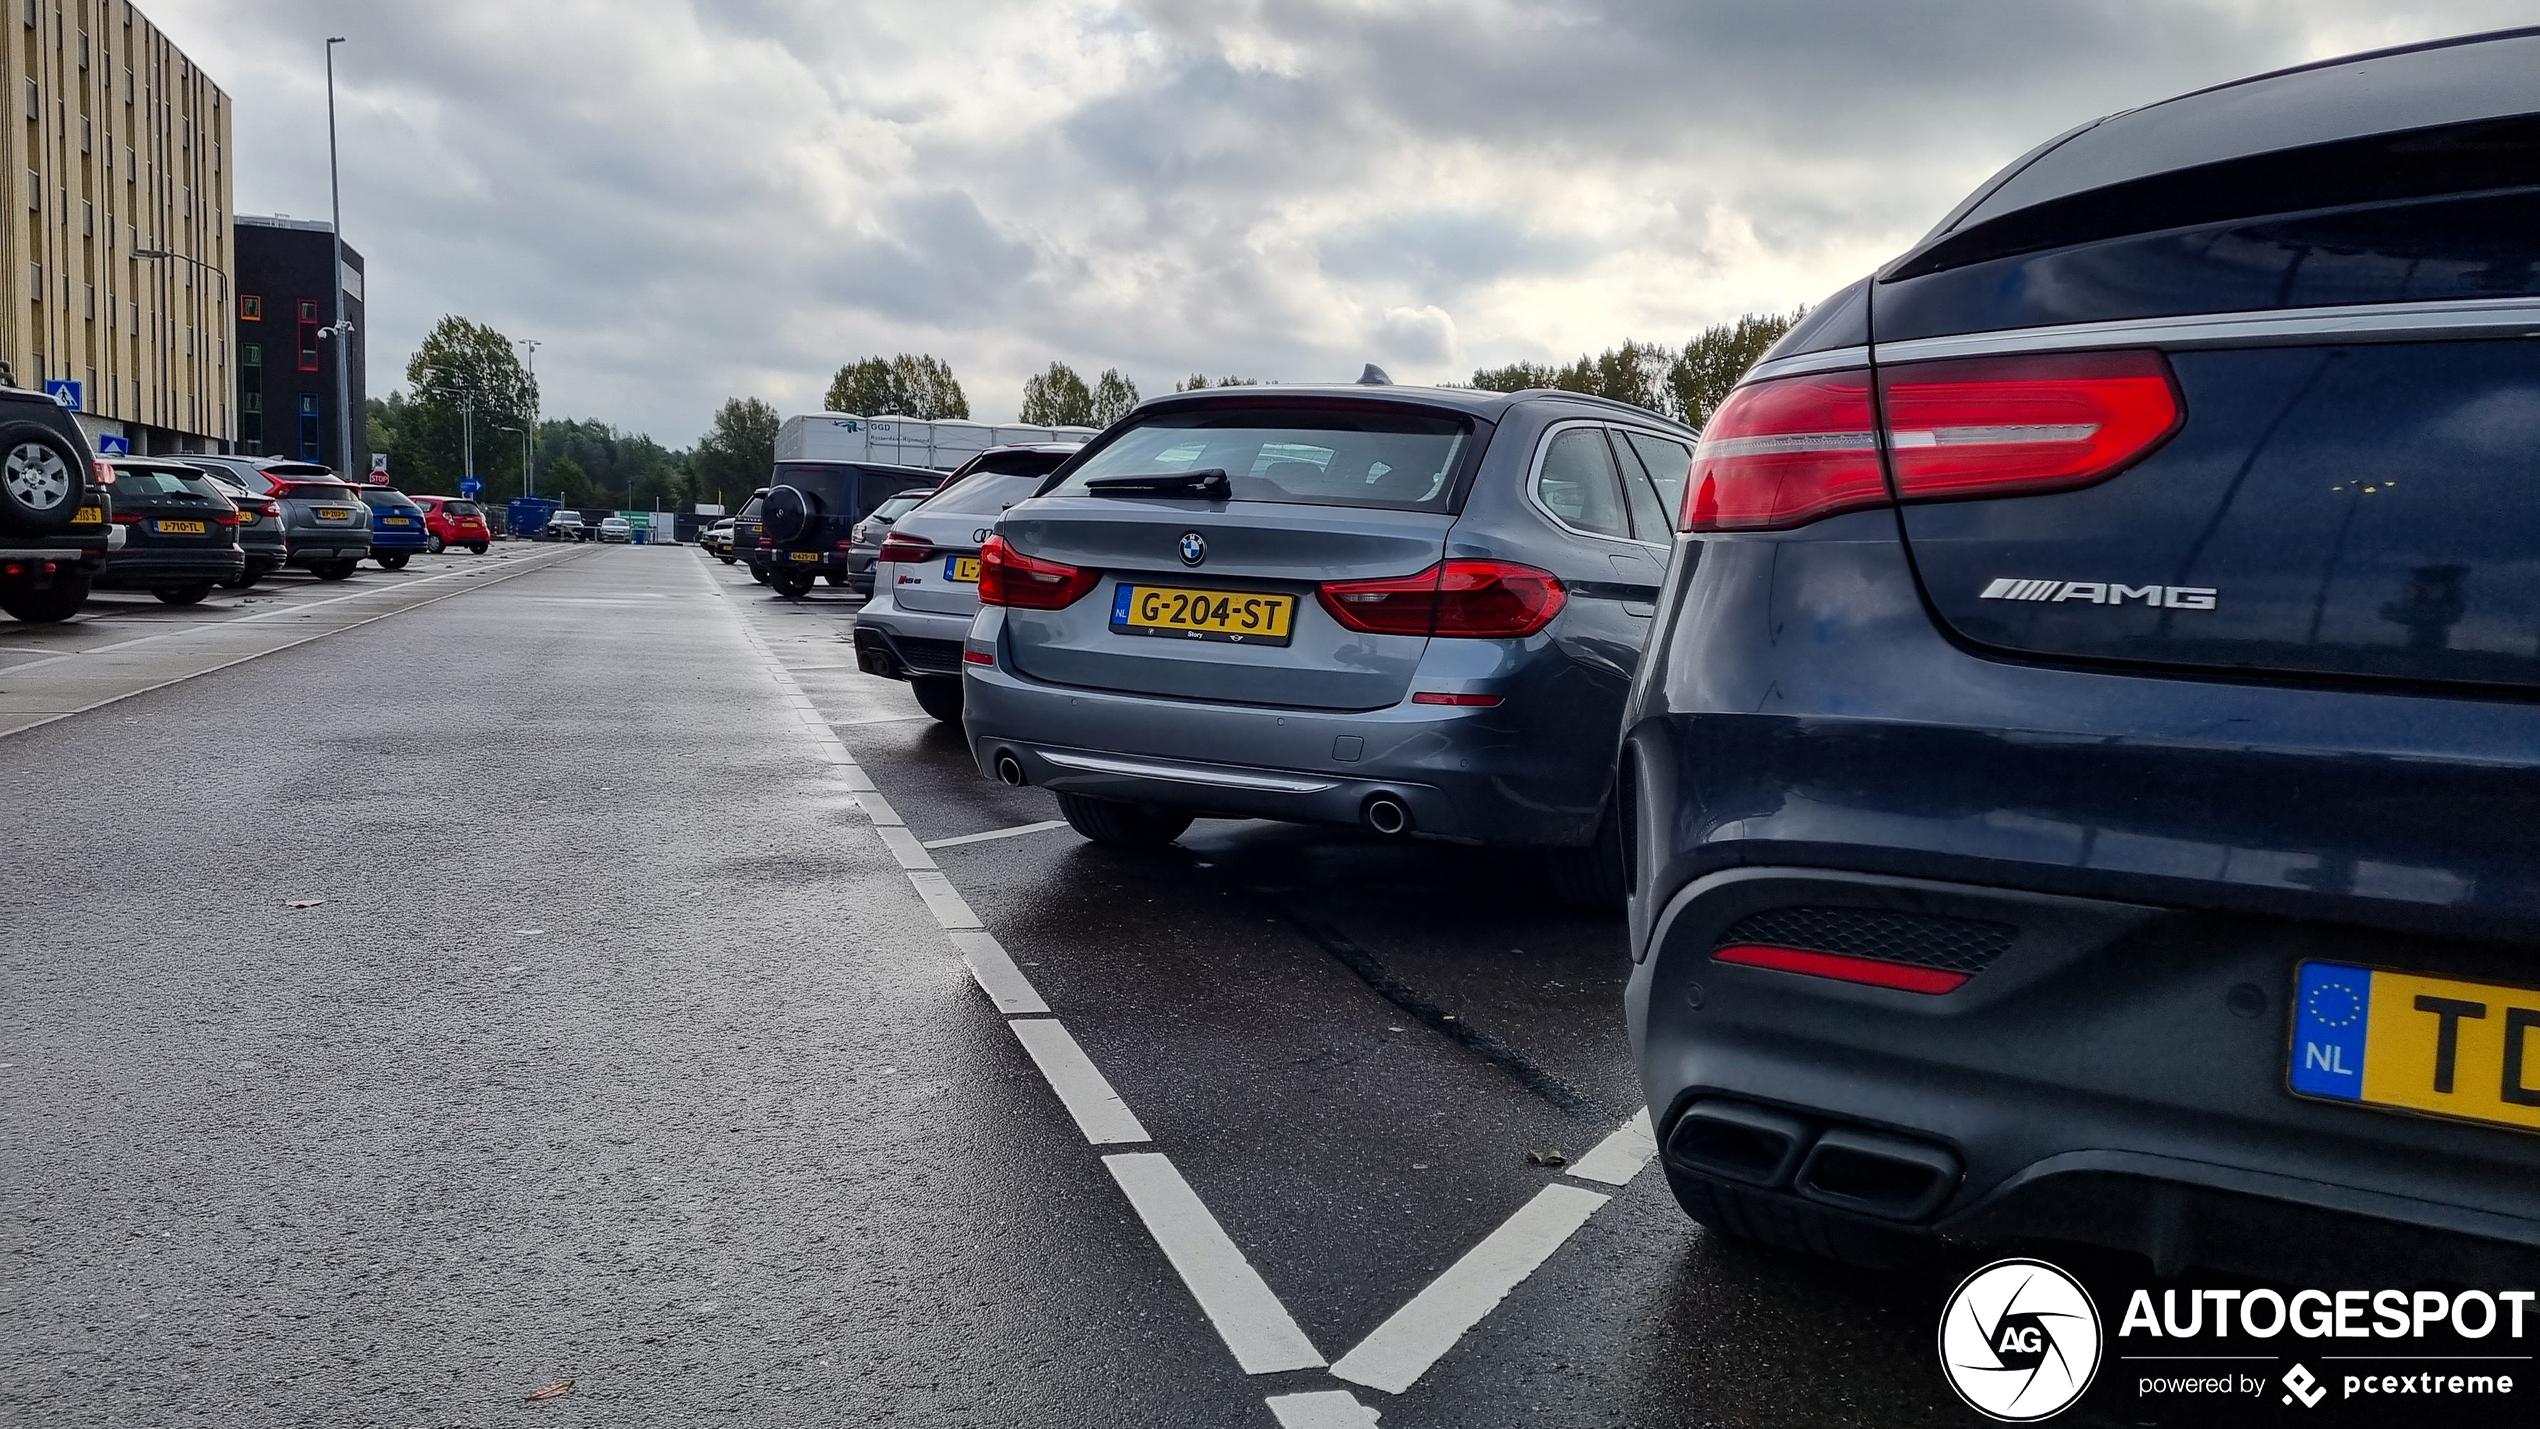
(941, 901)
(1100, 1113)
(1321, 1409)
(994, 970)
(1417, 1335)
(1255, 1326)
(1016, 832)
(1619, 1157)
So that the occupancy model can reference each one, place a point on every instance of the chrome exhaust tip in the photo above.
(1387, 815)
(1010, 771)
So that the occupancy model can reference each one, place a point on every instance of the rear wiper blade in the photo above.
(1210, 482)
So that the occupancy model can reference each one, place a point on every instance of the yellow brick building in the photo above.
(119, 149)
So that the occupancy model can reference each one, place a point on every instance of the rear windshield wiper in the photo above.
(1209, 482)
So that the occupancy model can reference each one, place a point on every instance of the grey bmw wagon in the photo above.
(1414, 609)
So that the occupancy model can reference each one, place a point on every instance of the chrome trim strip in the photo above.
(1800, 364)
(1534, 481)
(1186, 774)
(2277, 327)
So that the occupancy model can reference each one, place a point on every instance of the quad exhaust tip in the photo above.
(1010, 771)
(1387, 814)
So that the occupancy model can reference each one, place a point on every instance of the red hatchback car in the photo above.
(452, 521)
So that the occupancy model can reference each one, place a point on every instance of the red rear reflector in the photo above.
(1485, 600)
(2010, 426)
(1440, 697)
(977, 657)
(1009, 577)
(1786, 453)
(1842, 967)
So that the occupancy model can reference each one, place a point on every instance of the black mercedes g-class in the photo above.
(54, 507)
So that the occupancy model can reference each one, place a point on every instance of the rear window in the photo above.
(313, 490)
(1022, 463)
(750, 512)
(1339, 456)
(830, 481)
(890, 510)
(161, 482)
(983, 493)
(381, 498)
(462, 508)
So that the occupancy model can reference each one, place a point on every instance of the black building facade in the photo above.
(286, 371)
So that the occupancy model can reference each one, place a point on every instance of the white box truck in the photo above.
(905, 441)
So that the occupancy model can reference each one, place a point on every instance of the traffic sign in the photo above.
(470, 486)
(109, 444)
(64, 391)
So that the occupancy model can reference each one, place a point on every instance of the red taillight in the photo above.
(1785, 453)
(127, 518)
(846, 545)
(897, 549)
(2010, 426)
(225, 518)
(1842, 967)
(105, 474)
(1498, 600)
(1009, 577)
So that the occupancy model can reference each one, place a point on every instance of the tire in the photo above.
(479, 547)
(1121, 824)
(940, 696)
(43, 607)
(189, 594)
(788, 512)
(396, 562)
(434, 545)
(759, 574)
(1787, 1223)
(791, 587)
(835, 580)
(334, 570)
(727, 560)
(242, 580)
(1592, 877)
(42, 479)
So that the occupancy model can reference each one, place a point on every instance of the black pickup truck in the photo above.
(54, 507)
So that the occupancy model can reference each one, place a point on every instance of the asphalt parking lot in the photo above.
(626, 1037)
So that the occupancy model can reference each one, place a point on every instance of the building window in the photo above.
(252, 402)
(308, 310)
(251, 354)
(308, 426)
(35, 281)
(251, 308)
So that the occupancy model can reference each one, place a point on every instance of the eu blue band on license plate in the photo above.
(2332, 1009)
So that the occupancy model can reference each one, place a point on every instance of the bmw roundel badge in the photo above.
(1194, 548)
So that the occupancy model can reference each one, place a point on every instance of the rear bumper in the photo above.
(143, 567)
(310, 544)
(41, 560)
(399, 540)
(2116, 1075)
(1443, 763)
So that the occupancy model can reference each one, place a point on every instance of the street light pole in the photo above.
(528, 471)
(529, 476)
(343, 330)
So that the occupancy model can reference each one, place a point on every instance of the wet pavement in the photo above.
(625, 1047)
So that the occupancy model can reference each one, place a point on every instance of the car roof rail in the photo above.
(1594, 399)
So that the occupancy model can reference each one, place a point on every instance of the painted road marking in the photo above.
(903, 846)
(1016, 832)
(1100, 1113)
(1417, 1335)
(1237, 1301)
(941, 901)
(1619, 1157)
(1321, 1409)
(994, 970)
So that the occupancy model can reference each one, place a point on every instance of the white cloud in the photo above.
(692, 199)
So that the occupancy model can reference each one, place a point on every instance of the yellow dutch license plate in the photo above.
(179, 528)
(1238, 616)
(962, 570)
(2417, 1044)
(806, 555)
(396, 520)
(89, 516)
(332, 513)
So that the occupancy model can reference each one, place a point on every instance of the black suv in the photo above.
(808, 518)
(2085, 778)
(745, 535)
(54, 531)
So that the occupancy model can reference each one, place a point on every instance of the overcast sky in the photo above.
(687, 200)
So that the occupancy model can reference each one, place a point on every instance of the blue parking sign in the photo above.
(64, 391)
(109, 444)
(470, 486)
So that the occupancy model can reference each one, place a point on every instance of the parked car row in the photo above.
(180, 526)
(2064, 732)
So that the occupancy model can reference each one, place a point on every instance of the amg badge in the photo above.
(2168, 597)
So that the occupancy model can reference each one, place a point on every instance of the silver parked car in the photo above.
(925, 573)
(1415, 609)
(325, 523)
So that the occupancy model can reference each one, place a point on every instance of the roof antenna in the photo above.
(1374, 376)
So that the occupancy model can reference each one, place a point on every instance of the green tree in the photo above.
(1635, 372)
(737, 453)
(918, 386)
(1057, 398)
(1712, 362)
(1199, 383)
(462, 364)
(1114, 395)
(1515, 377)
(566, 481)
